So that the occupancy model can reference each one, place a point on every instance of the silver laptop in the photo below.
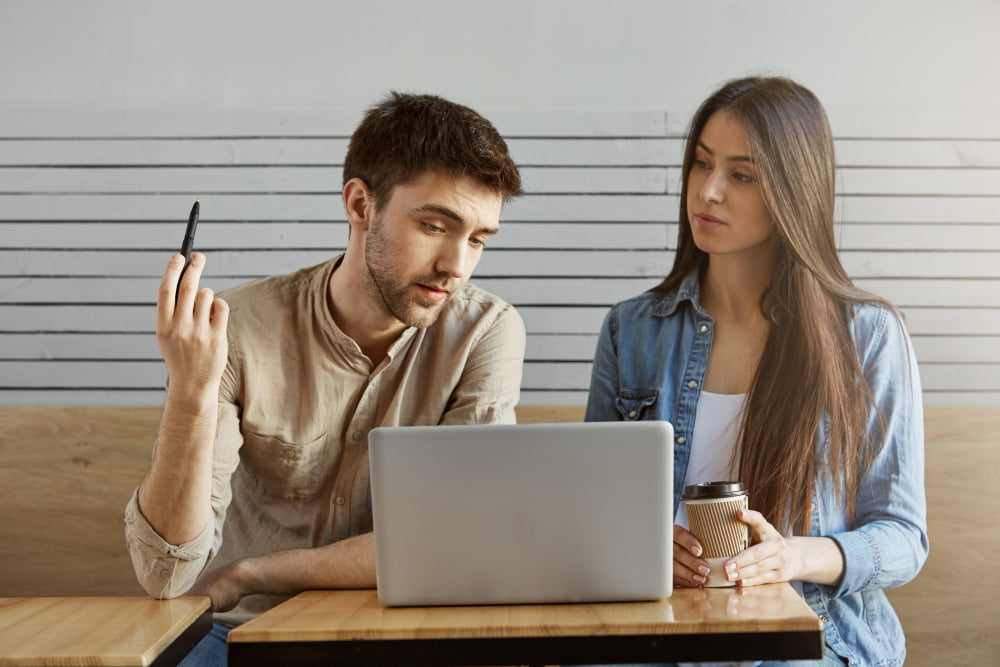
(528, 513)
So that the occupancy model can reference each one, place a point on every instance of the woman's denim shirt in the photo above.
(650, 362)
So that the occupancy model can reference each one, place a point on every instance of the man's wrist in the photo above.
(195, 402)
(254, 576)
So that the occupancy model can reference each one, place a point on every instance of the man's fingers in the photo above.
(203, 305)
(188, 288)
(219, 315)
(168, 286)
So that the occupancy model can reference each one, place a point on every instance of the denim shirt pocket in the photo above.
(637, 404)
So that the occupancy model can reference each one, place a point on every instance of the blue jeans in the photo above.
(210, 651)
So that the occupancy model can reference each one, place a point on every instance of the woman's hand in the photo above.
(767, 560)
(773, 557)
(689, 568)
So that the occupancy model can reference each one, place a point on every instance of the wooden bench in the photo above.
(67, 473)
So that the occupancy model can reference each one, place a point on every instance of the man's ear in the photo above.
(359, 204)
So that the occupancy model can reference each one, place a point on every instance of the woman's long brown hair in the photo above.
(809, 369)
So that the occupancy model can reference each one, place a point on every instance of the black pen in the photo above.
(188, 243)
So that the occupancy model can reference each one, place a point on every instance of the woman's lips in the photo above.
(706, 221)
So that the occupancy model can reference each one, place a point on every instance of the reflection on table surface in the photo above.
(96, 630)
(354, 615)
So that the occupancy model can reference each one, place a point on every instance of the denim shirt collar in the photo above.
(687, 291)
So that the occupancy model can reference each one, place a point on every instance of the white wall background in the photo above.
(115, 114)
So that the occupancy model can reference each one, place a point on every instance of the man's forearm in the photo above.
(175, 497)
(349, 563)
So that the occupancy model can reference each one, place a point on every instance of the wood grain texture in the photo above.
(67, 473)
(69, 470)
(346, 615)
(950, 611)
(92, 631)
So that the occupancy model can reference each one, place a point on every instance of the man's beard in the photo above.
(385, 285)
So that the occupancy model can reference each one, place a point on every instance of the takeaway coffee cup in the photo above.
(712, 509)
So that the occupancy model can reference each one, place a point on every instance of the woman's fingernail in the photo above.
(732, 576)
(704, 569)
(730, 567)
(696, 550)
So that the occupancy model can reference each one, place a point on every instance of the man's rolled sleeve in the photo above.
(491, 380)
(164, 570)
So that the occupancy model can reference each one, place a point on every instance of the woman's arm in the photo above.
(776, 558)
(604, 376)
(889, 544)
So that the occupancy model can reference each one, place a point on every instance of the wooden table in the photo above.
(323, 627)
(98, 631)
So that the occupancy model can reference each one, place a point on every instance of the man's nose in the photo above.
(453, 260)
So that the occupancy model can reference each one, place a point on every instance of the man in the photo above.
(258, 487)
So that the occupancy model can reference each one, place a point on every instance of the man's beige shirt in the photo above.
(297, 401)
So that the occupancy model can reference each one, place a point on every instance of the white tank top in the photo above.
(716, 425)
(713, 442)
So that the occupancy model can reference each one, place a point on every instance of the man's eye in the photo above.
(477, 243)
(433, 229)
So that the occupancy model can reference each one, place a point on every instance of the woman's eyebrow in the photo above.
(734, 158)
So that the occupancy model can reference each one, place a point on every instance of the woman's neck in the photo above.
(732, 288)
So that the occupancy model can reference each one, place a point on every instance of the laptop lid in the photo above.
(527, 513)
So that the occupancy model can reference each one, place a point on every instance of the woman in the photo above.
(776, 371)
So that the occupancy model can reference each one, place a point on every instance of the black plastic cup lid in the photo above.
(713, 490)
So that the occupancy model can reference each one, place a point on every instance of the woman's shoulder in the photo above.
(659, 301)
(876, 324)
(645, 300)
(645, 305)
(874, 314)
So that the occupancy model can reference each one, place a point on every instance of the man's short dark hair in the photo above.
(405, 136)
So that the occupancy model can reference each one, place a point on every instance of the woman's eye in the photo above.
(700, 164)
(742, 178)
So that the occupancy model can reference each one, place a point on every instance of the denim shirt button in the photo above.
(632, 414)
(681, 440)
(703, 328)
(692, 384)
